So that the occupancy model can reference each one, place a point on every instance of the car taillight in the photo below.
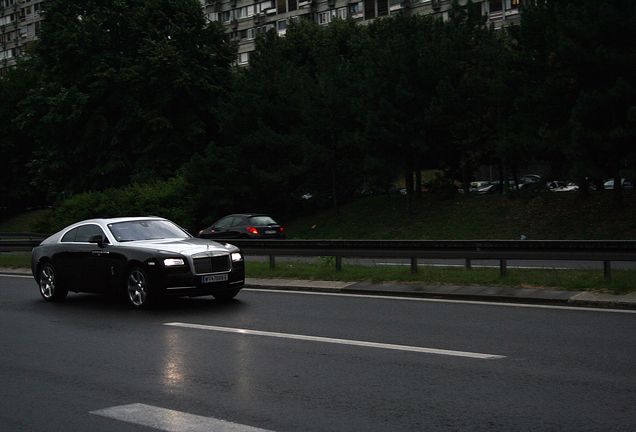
(252, 230)
(281, 229)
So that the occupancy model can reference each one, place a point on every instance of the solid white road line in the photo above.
(170, 420)
(338, 341)
(456, 301)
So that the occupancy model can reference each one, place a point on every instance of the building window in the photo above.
(263, 6)
(356, 10)
(369, 9)
(495, 6)
(244, 12)
(226, 16)
(281, 27)
(383, 7)
(243, 58)
(282, 6)
(264, 29)
(324, 17)
(512, 4)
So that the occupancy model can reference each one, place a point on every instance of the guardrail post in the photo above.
(607, 269)
(468, 264)
(272, 262)
(413, 265)
(338, 263)
(503, 267)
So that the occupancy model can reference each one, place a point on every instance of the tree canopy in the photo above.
(128, 91)
(120, 92)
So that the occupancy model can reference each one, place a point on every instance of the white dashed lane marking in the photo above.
(171, 421)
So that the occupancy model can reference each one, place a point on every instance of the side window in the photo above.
(69, 236)
(238, 222)
(85, 232)
(225, 223)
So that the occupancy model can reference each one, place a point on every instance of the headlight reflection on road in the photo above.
(173, 359)
(245, 366)
(237, 366)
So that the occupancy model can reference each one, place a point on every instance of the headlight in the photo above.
(170, 262)
(236, 256)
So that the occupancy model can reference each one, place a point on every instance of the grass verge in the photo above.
(15, 260)
(622, 281)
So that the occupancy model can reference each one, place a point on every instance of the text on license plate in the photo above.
(213, 278)
(270, 232)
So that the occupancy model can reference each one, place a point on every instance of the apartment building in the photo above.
(245, 19)
(19, 26)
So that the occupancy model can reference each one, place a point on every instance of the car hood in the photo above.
(184, 247)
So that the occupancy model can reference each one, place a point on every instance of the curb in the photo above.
(474, 293)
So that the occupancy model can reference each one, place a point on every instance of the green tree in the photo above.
(401, 72)
(262, 117)
(292, 114)
(128, 91)
(333, 153)
(464, 101)
(584, 54)
(15, 148)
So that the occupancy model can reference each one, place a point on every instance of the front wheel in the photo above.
(49, 288)
(138, 288)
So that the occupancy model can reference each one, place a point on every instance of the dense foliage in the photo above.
(131, 97)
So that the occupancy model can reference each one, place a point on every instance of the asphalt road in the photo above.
(302, 362)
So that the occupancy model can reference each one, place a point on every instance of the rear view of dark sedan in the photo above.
(244, 226)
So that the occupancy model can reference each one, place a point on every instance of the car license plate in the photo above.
(213, 278)
(270, 232)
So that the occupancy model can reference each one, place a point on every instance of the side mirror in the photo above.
(98, 239)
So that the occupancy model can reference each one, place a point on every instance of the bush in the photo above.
(162, 198)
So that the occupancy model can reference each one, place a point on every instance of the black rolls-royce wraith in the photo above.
(146, 258)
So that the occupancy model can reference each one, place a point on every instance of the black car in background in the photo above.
(144, 258)
(246, 225)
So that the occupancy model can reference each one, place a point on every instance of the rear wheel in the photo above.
(138, 288)
(49, 288)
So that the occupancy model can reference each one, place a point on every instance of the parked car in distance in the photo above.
(559, 186)
(626, 183)
(245, 225)
(476, 185)
(144, 258)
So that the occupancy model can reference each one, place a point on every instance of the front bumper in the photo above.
(192, 285)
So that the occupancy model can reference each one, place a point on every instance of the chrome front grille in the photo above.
(212, 264)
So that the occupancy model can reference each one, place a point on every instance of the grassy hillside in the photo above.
(548, 217)
(551, 216)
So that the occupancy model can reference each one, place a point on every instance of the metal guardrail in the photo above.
(604, 251)
(20, 242)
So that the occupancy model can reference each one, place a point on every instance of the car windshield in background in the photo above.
(262, 220)
(146, 230)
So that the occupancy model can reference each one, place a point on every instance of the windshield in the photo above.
(146, 230)
(262, 220)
